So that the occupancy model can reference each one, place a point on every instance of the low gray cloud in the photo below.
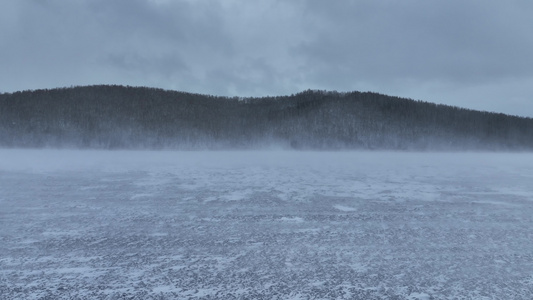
(459, 41)
(470, 53)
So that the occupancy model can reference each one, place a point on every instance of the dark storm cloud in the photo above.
(466, 53)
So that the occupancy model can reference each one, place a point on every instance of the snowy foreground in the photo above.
(265, 225)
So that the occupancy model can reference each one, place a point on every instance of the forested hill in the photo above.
(116, 117)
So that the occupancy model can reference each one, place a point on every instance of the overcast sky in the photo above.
(474, 54)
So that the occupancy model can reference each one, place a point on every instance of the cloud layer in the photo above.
(474, 54)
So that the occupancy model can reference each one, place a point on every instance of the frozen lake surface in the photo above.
(265, 225)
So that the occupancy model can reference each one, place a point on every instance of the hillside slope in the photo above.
(111, 117)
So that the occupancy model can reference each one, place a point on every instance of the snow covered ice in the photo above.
(265, 225)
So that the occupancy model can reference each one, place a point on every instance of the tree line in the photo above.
(123, 117)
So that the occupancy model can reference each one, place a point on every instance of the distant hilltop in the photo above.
(121, 117)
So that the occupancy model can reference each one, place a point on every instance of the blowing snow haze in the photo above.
(472, 54)
(442, 211)
(118, 117)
